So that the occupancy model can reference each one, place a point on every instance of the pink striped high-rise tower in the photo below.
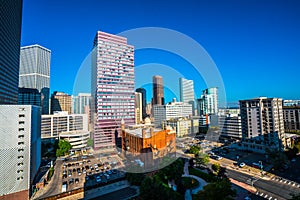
(112, 87)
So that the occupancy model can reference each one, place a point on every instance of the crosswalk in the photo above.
(266, 196)
(281, 180)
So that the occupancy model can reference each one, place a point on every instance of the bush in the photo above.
(190, 182)
(203, 175)
(50, 174)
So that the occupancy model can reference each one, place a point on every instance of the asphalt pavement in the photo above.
(268, 189)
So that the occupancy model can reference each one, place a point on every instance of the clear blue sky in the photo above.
(254, 43)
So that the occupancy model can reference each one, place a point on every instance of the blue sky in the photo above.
(255, 44)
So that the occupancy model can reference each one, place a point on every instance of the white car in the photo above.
(219, 158)
(242, 165)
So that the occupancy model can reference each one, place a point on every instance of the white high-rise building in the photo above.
(80, 102)
(35, 71)
(171, 110)
(208, 102)
(262, 120)
(186, 89)
(20, 149)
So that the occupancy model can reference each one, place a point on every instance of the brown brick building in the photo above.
(148, 143)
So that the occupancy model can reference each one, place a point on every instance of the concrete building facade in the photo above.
(20, 149)
(171, 110)
(53, 125)
(262, 123)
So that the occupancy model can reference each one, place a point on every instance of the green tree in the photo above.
(50, 174)
(297, 146)
(135, 178)
(195, 150)
(90, 143)
(217, 190)
(216, 167)
(295, 197)
(154, 188)
(277, 158)
(173, 171)
(63, 148)
(201, 159)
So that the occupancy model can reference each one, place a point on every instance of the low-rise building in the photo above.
(53, 125)
(78, 139)
(148, 143)
(231, 127)
(183, 126)
(171, 110)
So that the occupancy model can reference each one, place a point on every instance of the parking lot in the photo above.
(86, 171)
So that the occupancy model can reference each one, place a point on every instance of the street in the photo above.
(266, 188)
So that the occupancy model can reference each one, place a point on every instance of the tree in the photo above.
(154, 188)
(277, 158)
(295, 197)
(173, 171)
(195, 150)
(201, 159)
(216, 167)
(90, 143)
(135, 178)
(297, 146)
(217, 190)
(63, 148)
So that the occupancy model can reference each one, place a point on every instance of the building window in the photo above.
(21, 115)
(21, 122)
(20, 143)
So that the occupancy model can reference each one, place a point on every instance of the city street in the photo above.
(266, 188)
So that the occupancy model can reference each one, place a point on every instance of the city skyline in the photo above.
(257, 45)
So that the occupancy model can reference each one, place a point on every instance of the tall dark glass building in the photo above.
(158, 91)
(144, 101)
(10, 34)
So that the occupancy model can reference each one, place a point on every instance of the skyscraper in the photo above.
(144, 101)
(138, 107)
(35, 71)
(208, 102)
(61, 101)
(10, 34)
(20, 149)
(186, 89)
(80, 102)
(262, 119)
(158, 91)
(112, 87)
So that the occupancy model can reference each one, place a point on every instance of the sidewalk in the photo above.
(202, 183)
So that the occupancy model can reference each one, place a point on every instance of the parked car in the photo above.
(98, 179)
(76, 180)
(242, 165)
